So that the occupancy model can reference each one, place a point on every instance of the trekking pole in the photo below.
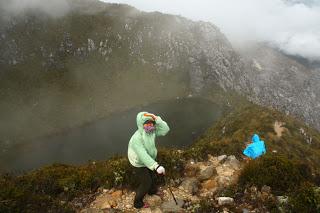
(165, 181)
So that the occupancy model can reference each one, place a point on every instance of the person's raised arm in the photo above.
(162, 127)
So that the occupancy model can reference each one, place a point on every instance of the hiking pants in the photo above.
(147, 184)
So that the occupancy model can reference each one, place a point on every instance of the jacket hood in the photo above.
(141, 119)
(255, 138)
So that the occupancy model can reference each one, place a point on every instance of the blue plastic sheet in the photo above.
(256, 148)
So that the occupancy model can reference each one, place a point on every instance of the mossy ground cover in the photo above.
(295, 162)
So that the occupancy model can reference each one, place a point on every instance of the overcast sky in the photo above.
(294, 27)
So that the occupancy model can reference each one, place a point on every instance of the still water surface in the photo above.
(99, 140)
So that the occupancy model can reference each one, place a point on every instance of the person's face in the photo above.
(149, 127)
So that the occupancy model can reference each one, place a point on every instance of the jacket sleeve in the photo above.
(162, 127)
(144, 157)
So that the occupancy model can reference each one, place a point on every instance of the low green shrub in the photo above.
(278, 172)
(305, 199)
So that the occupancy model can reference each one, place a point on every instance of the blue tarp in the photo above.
(256, 148)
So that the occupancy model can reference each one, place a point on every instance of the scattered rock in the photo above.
(105, 205)
(145, 210)
(266, 189)
(104, 201)
(222, 157)
(282, 200)
(213, 174)
(225, 200)
(91, 210)
(191, 170)
(233, 162)
(224, 170)
(157, 210)
(128, 206)
(213, 160)
(223, 181)
(153, 200)
(117, 194)
(171, 206)
(209, 184)
(206, 173)
(245, 211)
(190, 185)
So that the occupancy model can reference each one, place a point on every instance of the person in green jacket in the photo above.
(142, 153)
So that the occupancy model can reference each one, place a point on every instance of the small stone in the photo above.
(233, 162)
(117, 194)
(266, 189)
(153, 200)
(225, 210)
(209, 184)
(282, 199)
(112, 203)
(206, 173)
(190, 185)
(171, 206)
(104, 190)
(128, 206)
(222, 157)
(224, 170)
(145, 210)
(78, 205)
(223, 181)
(191, 170)
(91, 210)
(157, 210)
(105, 205)
(225, 200)
(253, 189)
(245, 211)
(213, 160)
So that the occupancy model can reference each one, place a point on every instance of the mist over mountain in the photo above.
(60, 71)
(292, 26)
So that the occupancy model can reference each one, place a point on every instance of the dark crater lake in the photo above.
(187, 118)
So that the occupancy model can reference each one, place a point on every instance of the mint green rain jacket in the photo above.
(142, 150)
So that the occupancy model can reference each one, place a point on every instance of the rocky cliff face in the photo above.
(102, 57)
(279, 81)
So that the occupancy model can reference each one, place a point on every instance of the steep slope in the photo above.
(293, 156)
(282, 82)
(58, 72)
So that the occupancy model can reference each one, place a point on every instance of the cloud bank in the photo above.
(54, 8)
(291, 25)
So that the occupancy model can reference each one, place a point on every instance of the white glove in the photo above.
(160, 170)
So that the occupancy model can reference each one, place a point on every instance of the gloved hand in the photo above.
(160, 170)
(154, 117)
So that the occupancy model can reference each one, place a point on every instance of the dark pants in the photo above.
(147, 184)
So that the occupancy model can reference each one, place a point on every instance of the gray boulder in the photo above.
(190, 185)
(207, 173)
